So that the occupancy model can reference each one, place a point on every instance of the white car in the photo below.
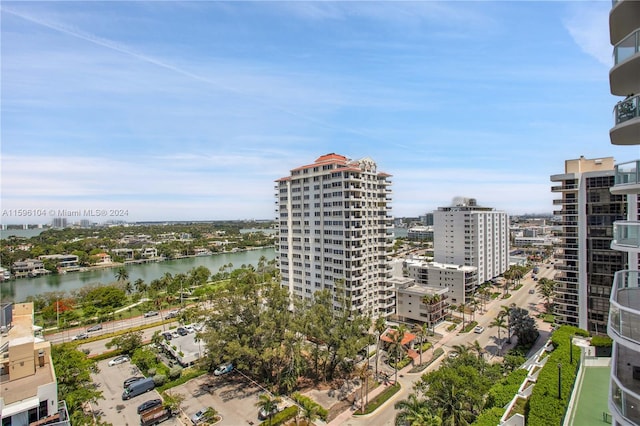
(118, 360)
(479, 329)
(81, 336)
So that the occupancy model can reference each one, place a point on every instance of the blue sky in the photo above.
(191, 110)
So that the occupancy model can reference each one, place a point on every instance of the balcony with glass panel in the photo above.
(626, 236)
(623, 19)
(624, 397)
(626, 130)
(627, 178)
(624, 310)
(623, 77)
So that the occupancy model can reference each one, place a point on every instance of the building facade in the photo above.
(586, 263)
(459, 280)
(29, 386)
(335, 229)
(470, 235)
(420, 304)
(624, 316)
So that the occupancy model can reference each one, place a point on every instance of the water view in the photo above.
(18, 290)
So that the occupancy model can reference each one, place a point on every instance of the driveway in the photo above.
(114, 410)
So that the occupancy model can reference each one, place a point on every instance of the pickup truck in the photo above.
(155, 415)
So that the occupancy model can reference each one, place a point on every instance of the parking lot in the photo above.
(114, 410)
(233, 396)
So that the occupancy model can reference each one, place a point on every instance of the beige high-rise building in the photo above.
(335, 226)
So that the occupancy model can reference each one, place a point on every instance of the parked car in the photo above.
(81, 336)
(94, 328)
(182, 331)
(532, 291)
(479, 329)
(148, 405)
(223, 369)
(131, 380)
(189, 329)
(199, 416)
(167, 335)
(172, 314)
(150, 314)
(453, 355)
(138, 388)
(118, 360)
(264, 414)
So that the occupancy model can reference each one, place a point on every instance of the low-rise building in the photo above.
(28, 268)
(27, 377)
(420, 233)
(458, 279)
(420, 303)
(65, 262)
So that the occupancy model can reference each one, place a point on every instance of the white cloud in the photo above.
(588, 25)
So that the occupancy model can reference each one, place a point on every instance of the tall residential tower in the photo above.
(471, 235)
(335, 226)
(624, 317)
(586, 264)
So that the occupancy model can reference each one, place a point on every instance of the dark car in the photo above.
(167, 336)
(131, 380)
(182, 331)
(149, 404)
(95, 327)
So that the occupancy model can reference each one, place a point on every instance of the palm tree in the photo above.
(380, 326)
(473, 302)
(508, 275)
(462, 308)
(309, 412)
(461, 350)
(140, 285)
(500, 323)
(505, 311)
(268, 404)
(363, 374)
(396, 346)
(122, 274)
(421, 331)
(415, 412)
(547, 289)
(477, 348)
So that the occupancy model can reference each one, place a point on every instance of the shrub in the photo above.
(304, 400)
(175, 372)
(489, 417)
(452, 327)
(380, 399)
(602, 341)
(159, 379)
(151, 372)
(502, 392)
(187, 375)
(470, 326)
(282, 417)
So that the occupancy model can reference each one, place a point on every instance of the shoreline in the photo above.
(136, 262)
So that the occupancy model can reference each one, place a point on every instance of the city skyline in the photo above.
(192, 110)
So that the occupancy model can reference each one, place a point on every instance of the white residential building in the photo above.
(459, 280)
(624, 315)
(467, 234)
(334, 224)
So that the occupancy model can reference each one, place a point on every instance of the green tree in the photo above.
(396, 347)
(415, 412)
(75, 386)
(268, 404)
(121, 274)
(547, 289)
(500, 323)
(380, 326)
(127, 343)
(523, 326)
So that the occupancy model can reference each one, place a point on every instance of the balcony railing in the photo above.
(625, 403)
(624, 311)
(628, 173)
(627, 109)
(626, 233)
(627, 47)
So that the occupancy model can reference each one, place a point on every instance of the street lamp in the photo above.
(571, 349)
(559, 380)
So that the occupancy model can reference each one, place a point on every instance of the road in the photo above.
(385, 415)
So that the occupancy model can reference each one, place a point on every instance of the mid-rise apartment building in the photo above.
(586, 263)
(471, 235)
(335, 228)
(29, 387)
(458, 280)
(624, 316)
